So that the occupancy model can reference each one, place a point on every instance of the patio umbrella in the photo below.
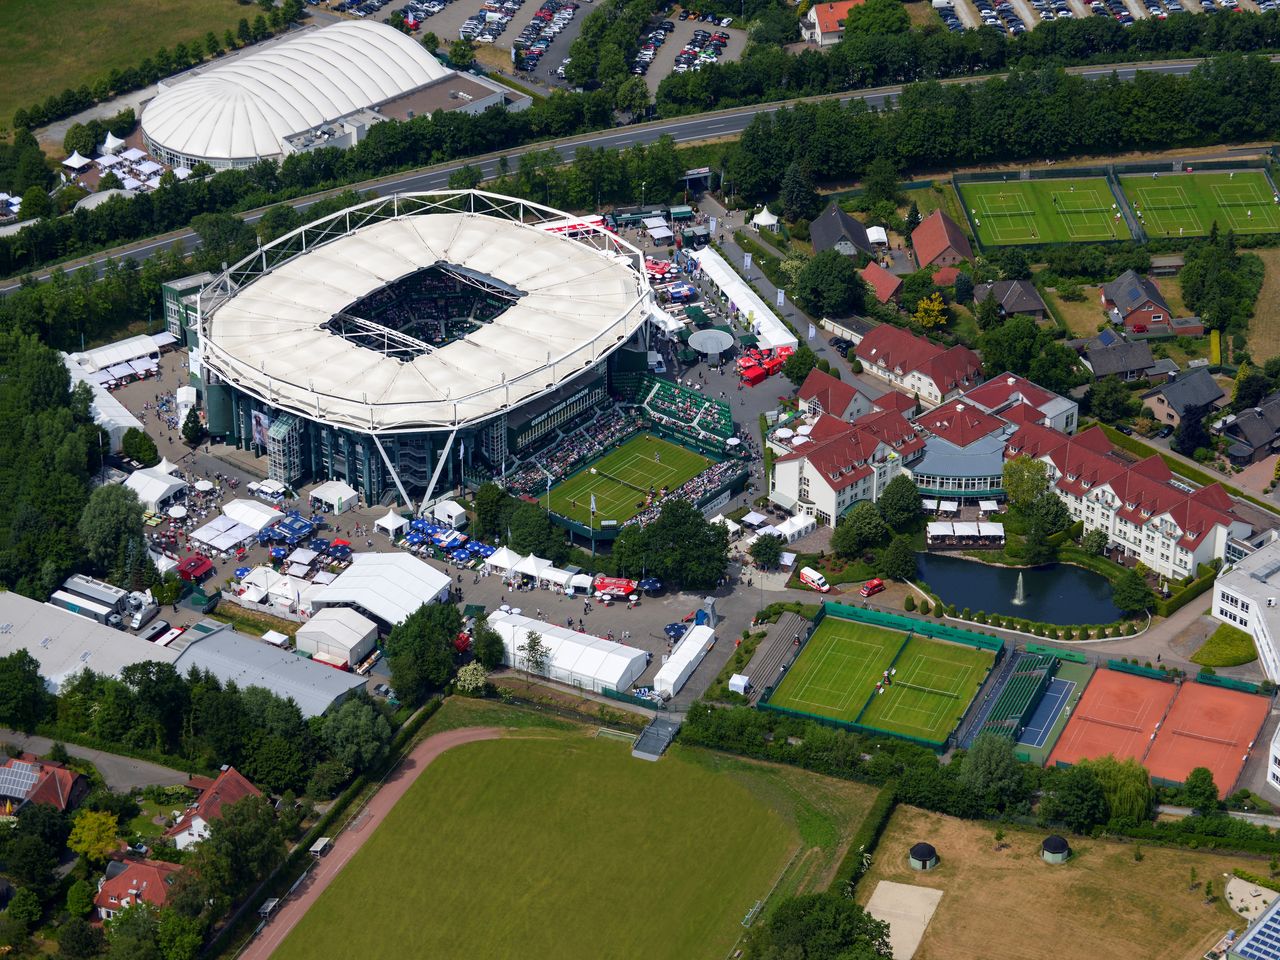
(650, 584)
(203, 486)
(319, 544)
(241, 572)
(177, 513)
(342, 543)
(279, 553)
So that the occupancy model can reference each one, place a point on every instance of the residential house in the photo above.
(1195, 389)
(939, 241)
(1136, 302)
(918, 366)
(1252, 434)
(1148, 515)
(837, 465)
(823, 24)
(28, 779)
(885, 285)
(134, 881)
(193, 826)
(945, 276)
(833, 229)
(823, 393)
(1013, 297)
(1118, 358)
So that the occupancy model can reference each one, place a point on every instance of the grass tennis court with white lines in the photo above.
(621, 479)
(1079, 210)
(931, 686)
(1188, 204)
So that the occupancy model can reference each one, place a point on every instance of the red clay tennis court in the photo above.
(1207, 727)
(1117, 715)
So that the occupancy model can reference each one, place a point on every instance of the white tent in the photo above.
(76, 162)
(106, 161)
(304, 556)
(738, 683)
(577, 659)
(134, 155)
(733, 528)
(557, 576)
(683, 660)
(186, 399)
(532, 566)
(582, 581)
(793, 528)
(111, 144)
(222, 534)
(254, 515)
(108, 412)
(336, 495)
(771, 331)
(878, 236)
(156, 487)
(765, 219)
(181, 172)
(391, 524)
(450, 512)
(340, 633)
(387, 586)
(502, 559)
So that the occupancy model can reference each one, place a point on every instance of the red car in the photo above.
(872, 587)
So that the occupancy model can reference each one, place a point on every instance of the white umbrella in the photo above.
(177, 513)
(732, 442)
(204, 486)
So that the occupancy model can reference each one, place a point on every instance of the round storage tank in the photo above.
(922, 857)
(1055, 849)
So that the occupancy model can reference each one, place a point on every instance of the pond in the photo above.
(1056, 593)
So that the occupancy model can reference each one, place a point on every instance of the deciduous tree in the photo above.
(93, 835)
(1025, 479)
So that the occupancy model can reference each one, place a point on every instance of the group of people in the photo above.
(571, 449)
(693, 490)
(685, 409)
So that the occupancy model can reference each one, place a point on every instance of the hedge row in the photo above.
(864, 842)
(1267, 883)
(1186, 595)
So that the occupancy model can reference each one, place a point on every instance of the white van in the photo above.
(814, 579)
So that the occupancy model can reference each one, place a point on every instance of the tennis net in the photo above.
(1109, 723)
(1007, 213)
(1065, 210)
(1225, 741)
(924, 689)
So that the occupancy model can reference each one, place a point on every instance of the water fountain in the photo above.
(1019, 595)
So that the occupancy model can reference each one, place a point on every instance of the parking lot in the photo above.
(681, 34)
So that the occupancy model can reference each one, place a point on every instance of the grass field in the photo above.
(557, 844)
(621, 479)
(1264, 328)
(1043, 211)
(1008, 903)
(75, 42)
(1227, 646)
(836, 674)
(1188, 204)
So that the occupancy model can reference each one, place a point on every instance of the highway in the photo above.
(705, 126)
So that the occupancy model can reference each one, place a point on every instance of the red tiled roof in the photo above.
(892, 428)
(936, 233)
(1093, 439)
(884, 285)
(828, 427)
(945, 276)
(54, 783)
(145, 880)
(229, 787)
(893, 400)
(831, 16)
(953, 368)
(1034, 440)
(834, 395)
(1000, 390)
(1021, 413)
(896, 349)
(960, 423)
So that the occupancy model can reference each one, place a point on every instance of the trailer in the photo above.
(81, 606)
(99, 591)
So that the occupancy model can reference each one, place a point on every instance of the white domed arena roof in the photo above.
(246, 107)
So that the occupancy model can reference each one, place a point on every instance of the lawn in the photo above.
(836, 673)
(1188, 204)
(1082, 317)
(1227, 646)
(932, 687)
(563, 845)
(1080, 210)
(1264, 328)
(50, 48)
(1011, 904)
(622, 478)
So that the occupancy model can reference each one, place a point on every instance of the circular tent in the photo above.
(712, 344)
(922, 857)
(765, 220)
(240, 111)
(1055, 849)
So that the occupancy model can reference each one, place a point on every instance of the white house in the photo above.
(193, 826)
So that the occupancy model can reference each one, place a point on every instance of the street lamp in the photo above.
(643, 185)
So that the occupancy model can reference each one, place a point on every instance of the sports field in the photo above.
(1103, 903)
(835, 676)
(1188, 204)
(554, 843)
(50, 47)
(621, 479)
(1043, 211)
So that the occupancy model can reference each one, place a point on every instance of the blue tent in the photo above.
(650, 584)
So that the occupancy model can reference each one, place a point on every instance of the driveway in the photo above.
(121, 774)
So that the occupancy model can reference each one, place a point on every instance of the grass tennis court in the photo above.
(1080, 210)
(1188, 204)
(555, 843)
(621, 479)
(835, 676)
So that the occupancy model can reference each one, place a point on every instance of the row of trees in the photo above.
(933, 126)
(1220, 284)
(85, 138)
(162, 64)
(880, 532)
(600, 57)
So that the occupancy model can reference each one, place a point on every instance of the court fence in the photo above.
(1229, 683)
(621, 697)
(847, 725)
(1139, 671)
(925, 628)
(1071, 656)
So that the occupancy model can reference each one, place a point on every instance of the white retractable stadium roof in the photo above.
(577, 301)
(244, 109)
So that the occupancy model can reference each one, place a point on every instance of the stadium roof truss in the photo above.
(278, 323)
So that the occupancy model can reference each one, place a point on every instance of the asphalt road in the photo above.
(706, 126)
(121, 774)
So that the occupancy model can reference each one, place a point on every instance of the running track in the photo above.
(353, 837)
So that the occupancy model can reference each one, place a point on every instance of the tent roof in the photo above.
(254, 514)
(765, 218)
(391, 522)
(76, 162)
(609, 664)
(772, 332)
(154, 484)
(111, 143)
(334, 491)
(532, 566)
(503, 559)
(340, 626)
(390, 586)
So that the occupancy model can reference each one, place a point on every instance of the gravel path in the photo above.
(352, 838)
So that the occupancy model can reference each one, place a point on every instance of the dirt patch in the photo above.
(907, 909)
(1010, 903)
(1264, 329)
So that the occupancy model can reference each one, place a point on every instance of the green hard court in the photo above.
(933, 684)
(621, 478)
(1188, 204)
(838, 669)
(1076, 210)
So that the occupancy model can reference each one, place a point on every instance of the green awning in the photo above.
(682, 213)
(696, 314)
(684, 333)
(688, 356)
(748, 340)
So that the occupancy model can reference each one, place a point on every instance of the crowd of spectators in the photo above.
(573, 448)
(708, 481)
(688, 411)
